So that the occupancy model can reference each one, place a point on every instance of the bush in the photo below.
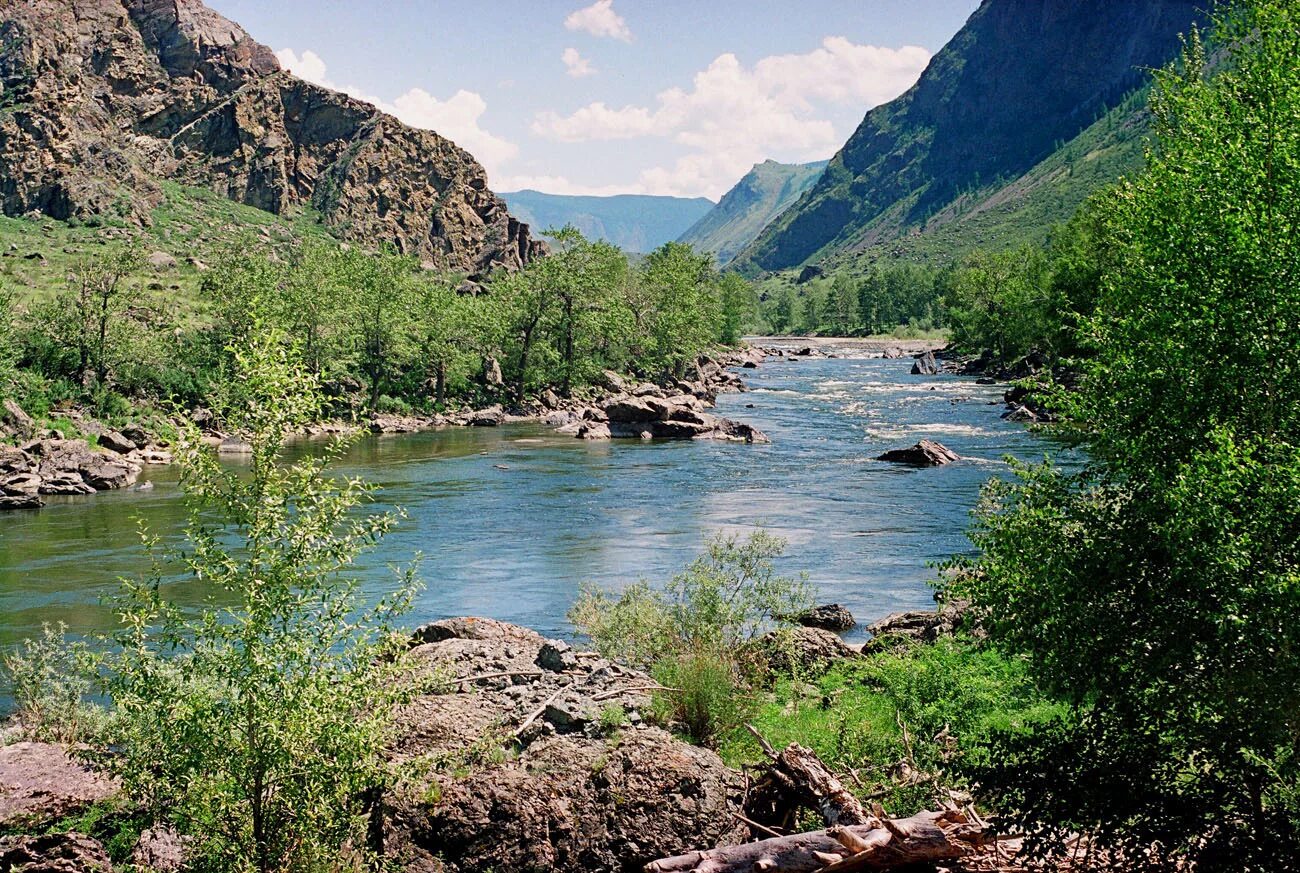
(690, 634)
(52, 684)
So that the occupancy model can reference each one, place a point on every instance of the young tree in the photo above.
(377, 288)
(736, 299)
(257, 723)
(685, 314)
(586, 278)
(90, 316)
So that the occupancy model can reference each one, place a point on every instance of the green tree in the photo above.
(377, 288)
(684, 312)
(1158, 591)
(8, 341)
(257, 723)
(92, 317)
(587, 278)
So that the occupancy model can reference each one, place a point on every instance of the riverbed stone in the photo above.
(828, 616)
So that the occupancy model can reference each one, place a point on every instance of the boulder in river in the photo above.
(828, 616)
(808, 650)
(925, 364)
(926, 453)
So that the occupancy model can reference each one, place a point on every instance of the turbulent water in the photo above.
(511, 520)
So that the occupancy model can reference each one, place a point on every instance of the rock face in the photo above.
(39, 784)
(593, 788)
(925, 365)
(102, 98)
(926, 453)
(53, 853)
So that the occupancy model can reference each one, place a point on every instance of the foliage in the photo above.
(692, 633)
(51, 688)
(1157, 591)
(257, 723)
(902, 722)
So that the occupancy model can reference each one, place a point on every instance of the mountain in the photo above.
(740, 216)
(1018, 81)
(633, 222)
(102, 100)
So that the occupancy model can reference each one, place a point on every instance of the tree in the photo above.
(90, 316)
(257, 723)
(1158, 590)
(377, 288)
(684, 312)
(586, 278)
(736, 299)
(8, 341)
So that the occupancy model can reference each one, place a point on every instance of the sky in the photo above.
(615, 96)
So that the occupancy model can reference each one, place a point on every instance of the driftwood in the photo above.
(880, 844)
(855, 840)
(797, 778)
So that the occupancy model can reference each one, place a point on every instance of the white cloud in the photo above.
(734, 116)
(575, 64)
(599, 19)
(458, 117)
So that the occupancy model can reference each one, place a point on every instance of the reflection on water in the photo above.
(515, 543)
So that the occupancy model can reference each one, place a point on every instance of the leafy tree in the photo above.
(684, 312)
(91, 316)
(257, 723)
(587, 278)
(8, 341)
(377, 287)
(736, 299)
(1158, 590)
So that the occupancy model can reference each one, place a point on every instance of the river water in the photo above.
(511, 520)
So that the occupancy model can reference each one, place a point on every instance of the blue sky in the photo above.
(615, 96)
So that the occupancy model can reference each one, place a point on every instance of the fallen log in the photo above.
(880, 844)
(797, 778)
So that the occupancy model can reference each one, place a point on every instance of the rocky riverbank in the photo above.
(45, 463)
(588, 784)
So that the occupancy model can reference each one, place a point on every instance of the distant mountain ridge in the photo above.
(637, 223)
(740, 216)
(101, 100)
(1022, 78)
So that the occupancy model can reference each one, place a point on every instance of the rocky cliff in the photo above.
(1021, 78)
(99, 99)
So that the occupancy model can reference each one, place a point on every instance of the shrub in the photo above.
(52, 684)
(691, 633)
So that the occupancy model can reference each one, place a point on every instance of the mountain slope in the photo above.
(740, 216)
(102, 99)
(1021, 78)
(633, 222)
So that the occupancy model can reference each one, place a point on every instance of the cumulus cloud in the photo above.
(458, 117)
(575, 64)
(599, 19)
(733, 116)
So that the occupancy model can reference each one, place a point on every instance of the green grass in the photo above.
(188, 223)
(951, 697)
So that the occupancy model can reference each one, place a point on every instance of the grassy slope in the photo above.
(189, 223)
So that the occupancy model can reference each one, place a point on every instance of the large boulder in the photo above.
(41, 783)
(925, 364)
(591, 788)
(491, 416)
(926, 453)
(13, 415)
(807, 650)
(828, 616)
(53, 853)
(922, 626)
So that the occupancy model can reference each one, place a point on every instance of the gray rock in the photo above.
(20, 501)
(40, 783)
(557, 656)
(160, 850)
(829, 616)
(116, 442)
(161, 260)
(926, 453)
(492, 416)
(925, 364)
(13, 415)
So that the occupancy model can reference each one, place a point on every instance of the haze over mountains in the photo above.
(633, 222)
(740, 216)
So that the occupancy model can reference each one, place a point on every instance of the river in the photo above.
(511, 520)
